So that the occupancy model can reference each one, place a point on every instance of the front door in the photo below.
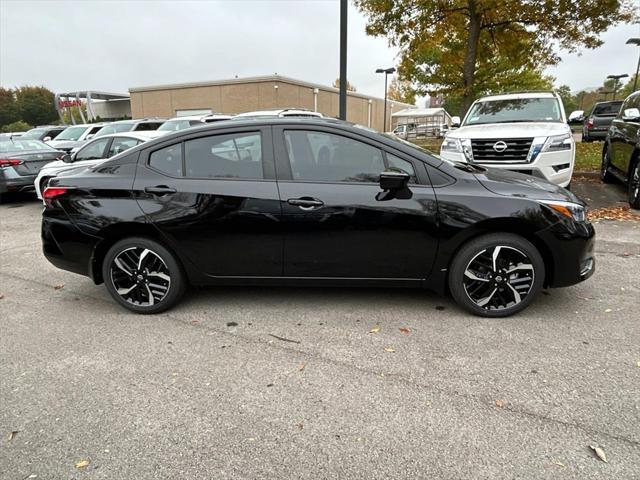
(336, 221)
(215, 197)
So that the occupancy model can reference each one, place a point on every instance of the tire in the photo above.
(605, 175)
(519, 288)
(634, 185)
(155, 287)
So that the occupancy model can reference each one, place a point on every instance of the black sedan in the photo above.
(312, 202)
(20, 162)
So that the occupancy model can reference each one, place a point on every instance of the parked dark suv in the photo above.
(312, 202)
(621, 153)
(596, 124)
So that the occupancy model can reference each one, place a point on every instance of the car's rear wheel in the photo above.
(142, 275)
(605, 175)
(496, 275)
(634, 185)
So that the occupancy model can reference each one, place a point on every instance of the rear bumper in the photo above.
(12, 182)
(572, 252)
(65, 246)
(592, 134)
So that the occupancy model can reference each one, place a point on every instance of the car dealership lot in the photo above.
(284, 382)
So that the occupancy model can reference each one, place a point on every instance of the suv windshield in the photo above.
(35, 133)
(114, 128)
(71, 133)
(514, 110)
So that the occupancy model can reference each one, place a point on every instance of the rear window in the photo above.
(607, 109)
(22, 146)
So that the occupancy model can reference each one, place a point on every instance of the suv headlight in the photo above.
(575, 211)
(558, 143)
(451, 145)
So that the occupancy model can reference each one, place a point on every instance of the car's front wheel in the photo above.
(634, 185)
(496, 275)
(605, 175)
(142, 275)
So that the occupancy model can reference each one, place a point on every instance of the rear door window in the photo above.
(168, 160)
(119, 145)
(237, 155)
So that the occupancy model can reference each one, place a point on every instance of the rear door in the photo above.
(214, 197)
(336, 222)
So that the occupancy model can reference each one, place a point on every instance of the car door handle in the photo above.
(160, 190)
(305, 203)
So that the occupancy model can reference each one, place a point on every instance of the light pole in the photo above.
(615, 79)
(342, 103)
(386, 72)
(635, 41)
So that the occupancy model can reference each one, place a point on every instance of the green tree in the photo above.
(36, 105)
(627, 90)
(8, 107)
(350, 88)
(17, 126)
(569, 100)
(466, 48)
(401, 91)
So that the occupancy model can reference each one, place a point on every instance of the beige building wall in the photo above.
(259, 93)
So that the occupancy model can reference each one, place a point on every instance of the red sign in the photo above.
(69, 103)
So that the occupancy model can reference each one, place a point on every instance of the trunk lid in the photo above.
(33, 161)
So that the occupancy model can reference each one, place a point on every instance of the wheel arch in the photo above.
(116, 232)
(516, 226)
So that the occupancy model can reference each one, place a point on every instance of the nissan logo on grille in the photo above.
(500, 146)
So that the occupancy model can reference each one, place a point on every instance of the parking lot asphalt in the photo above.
(315, 383)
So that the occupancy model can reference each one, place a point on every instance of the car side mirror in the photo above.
(631, 115)
(394, 179)
(46, 139)
(455, 121)
(90, 136)
(67, 158)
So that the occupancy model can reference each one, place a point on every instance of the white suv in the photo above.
(522, 132)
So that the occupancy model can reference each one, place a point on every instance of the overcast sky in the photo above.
(114, 45)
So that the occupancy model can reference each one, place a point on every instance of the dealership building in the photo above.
(241, 95)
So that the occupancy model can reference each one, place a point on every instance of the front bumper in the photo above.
(571, 249)
(555, 167)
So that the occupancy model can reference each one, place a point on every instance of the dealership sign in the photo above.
(69, 103)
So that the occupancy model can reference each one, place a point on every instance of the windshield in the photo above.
(35, 133)
(16, 146)
(607, 109)
(514, 110)
(114, 128)
(174, 125)
(71, 133)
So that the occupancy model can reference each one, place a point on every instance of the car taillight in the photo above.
(53, 192)
(10, 162)
(590, 123)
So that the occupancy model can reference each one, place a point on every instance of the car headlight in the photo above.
(572, 210)
(557, 143)
(451, 145)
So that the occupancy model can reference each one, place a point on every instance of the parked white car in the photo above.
(522, 132)
(180, 123)
(75, 136)
(282, 113)
(92, 153)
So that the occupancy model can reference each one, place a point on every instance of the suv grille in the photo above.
(516, 150)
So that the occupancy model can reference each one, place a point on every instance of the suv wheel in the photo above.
(496, 275)
(142, 275)
(605, 175)
(634, 185)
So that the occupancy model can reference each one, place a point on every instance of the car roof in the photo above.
(280, 111)
(144, 135)
(517, 96)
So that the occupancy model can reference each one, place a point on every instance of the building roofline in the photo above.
(258, 79)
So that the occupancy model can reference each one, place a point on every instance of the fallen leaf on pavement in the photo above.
(300, 425)
(405, 330)
(599, 452)
(375, 329)
(613, 213)
(390, 350)
(301, 366)
(559, 463)
(608, 310)
(13, 434)
(638, 364)
(1, 296)
(499, 403)
(82, 463)
(59, 286)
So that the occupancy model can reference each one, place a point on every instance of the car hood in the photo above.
(512, 184)
(510, 130)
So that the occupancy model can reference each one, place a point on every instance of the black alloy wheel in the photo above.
(496, 275)
(142, 275)
(634, 185)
